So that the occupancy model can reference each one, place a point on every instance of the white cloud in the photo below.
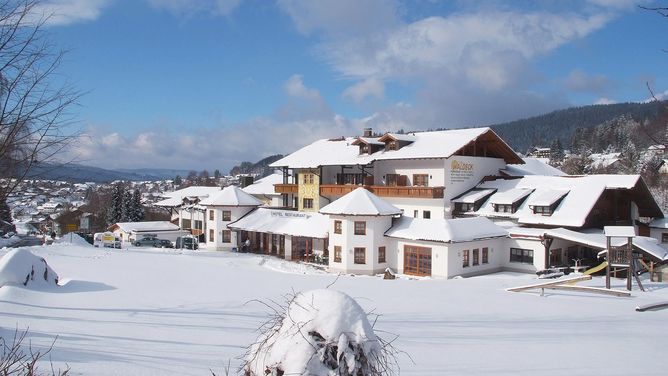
(580, 81)
(189, 8)
(370, 87)
(65, 12)
(295, 87)
(604, 100)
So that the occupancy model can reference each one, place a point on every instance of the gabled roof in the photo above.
(173, 199)
(573, 210)
(368, 141)
(265, 186)
(360, 202)
(445, 230)
(532, 166)
(397, 137)
(144, 226)
(426, 145)
(231, 196)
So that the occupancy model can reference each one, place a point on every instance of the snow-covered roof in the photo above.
(360, 202)
(145, 226)
(473, 196)
(546, 196)
(400, 136)
(284, 222)
(265, 186)
(572, 211)
(369, 141)
(619, 231)
(659, 223)
(230, 196)
(438, 144)
(647, 245)
(175, 198)
(445, 230)
(510, 196)
(603, 160)
(532, 166)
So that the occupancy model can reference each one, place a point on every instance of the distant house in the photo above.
(537, 152)
(605, 161)
(264, 190)
(663, 166)
(131, 231)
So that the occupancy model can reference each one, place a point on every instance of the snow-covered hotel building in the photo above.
(443, 204)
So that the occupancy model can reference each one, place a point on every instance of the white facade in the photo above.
(351, 244)
(218, 236)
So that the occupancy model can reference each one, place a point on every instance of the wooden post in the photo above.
(607, 267)
(629, 257)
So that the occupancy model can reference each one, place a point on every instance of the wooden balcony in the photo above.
(286, 188)
(378, 190)
(384, 191)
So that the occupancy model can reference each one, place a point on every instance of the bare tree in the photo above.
(35, 120)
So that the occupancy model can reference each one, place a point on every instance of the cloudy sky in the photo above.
(206, 84)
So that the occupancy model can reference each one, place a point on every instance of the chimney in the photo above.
(368, 132)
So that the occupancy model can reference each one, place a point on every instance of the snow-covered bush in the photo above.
(20, 267)
(321, 332)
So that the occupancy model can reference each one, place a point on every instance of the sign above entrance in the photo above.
(290, 214)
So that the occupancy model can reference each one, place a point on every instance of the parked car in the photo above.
(152, 242)
(187, 242)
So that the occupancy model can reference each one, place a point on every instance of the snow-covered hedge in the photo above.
(322, 332)
(20, 267)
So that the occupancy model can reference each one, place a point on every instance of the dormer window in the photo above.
(368, 145)
(510, 200)
(499, 208)
(545, 201)
(465, 207)
(472, 200)
(392, 145)
(394, 141)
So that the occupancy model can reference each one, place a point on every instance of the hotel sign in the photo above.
(290, 215)
(460, 171)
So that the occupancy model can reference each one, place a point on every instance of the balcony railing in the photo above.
(378, 190)
(286, 188)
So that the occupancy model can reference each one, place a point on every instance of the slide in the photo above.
(596, 268)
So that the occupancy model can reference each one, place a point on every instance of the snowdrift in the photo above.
(74, 239)
(323, 332)
(20, 267)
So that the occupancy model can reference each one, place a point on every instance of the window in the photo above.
(227, 215)
(465, 207)
(544, 210)
(415, 213)
(426, 214)
(391, 180)
(392, 145)
(185, 224)
(308, 179)
(198, 225)
(524, 256)
(211, 215)
(360, 228)
(503, 208)
(485, 255)
(417, 260)
(337, 227)
(227, 236)
(465, 258)
(381, 255)
(307, 203)
(421, 180)
(664, 237)
(476, 257)
(337, 253)
(211, 235)
(360, 255)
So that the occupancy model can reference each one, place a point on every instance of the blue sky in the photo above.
(206, 84)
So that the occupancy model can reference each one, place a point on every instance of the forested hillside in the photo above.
(260, 167)
(561, 125)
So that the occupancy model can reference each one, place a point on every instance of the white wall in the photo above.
(470, 173)
(409, 205)
(432, 167)
(218, 225)
(374, 238)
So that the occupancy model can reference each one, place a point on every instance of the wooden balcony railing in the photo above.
(378, 190)
(384, 191)
(286, 188)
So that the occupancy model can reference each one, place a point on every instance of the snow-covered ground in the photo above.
(158, 312)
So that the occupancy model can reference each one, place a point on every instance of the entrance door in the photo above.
(417, 260)
(301, 247)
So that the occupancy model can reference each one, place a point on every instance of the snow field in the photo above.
(162, 312)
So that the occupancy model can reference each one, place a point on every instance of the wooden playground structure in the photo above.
(618, 258)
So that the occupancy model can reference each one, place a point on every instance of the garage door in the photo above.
(417, 260)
